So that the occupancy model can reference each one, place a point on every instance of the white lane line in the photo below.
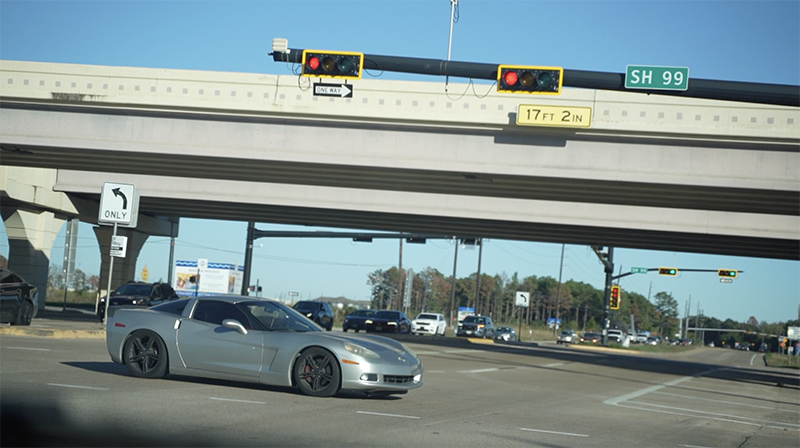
(493, 369)
(435, 371)
(555, 364)
(751, 359)
(28, 348)
(237, 401)
(694, 446)
(73, 386)
(439, 352)
(554, 432)
(687, 397)
(638, 408)
(713, 413)
(616, 401)
(386, 415)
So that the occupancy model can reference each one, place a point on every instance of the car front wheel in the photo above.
(145, 355)
(317, 373)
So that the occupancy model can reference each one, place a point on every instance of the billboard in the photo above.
(215, 278)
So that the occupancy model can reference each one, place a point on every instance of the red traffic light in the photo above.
(332, 64)
(613, 301)
(313, 63)
(529, 79)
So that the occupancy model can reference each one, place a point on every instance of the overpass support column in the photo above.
(124, 268)
(30, 240)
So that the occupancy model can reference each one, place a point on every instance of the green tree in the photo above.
(666, 314)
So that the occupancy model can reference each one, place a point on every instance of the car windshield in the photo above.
(363, 313)
(474, 320)
(387, 315)
(427, 317)
(306, 306)
(133, 289)
(278, 317)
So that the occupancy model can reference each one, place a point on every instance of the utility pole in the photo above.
(558, 292)
(453, 287)
(478, 280)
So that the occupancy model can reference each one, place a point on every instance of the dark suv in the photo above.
(320, 312)
(18, 299)
(476, 326)
(138, 294)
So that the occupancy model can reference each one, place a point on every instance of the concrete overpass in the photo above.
(650, 172)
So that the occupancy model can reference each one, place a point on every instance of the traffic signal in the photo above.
(332, 64)
(415, 240)
(613, 300)
(526, 79)
(729, 273)
(667, 271)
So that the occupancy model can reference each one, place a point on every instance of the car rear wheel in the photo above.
(145, 355)
(317, 373)
(25, 314)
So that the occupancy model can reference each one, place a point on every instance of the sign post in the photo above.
(119, 206)
(522, 300)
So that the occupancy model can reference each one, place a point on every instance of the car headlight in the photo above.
(360, 351)
(368, 321)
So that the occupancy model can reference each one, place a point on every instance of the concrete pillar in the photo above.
(124, 268)
(30, 240)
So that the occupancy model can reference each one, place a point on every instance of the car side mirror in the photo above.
(235, 325)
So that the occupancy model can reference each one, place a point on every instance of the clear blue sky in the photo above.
(756, 41)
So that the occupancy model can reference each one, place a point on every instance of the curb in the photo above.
(52, 333)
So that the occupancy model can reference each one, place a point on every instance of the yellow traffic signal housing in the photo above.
(668, 271)
(332, 64)
(529, 79)
(614, 299)
(728, 273)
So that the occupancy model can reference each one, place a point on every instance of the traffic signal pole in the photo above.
(609, 268)
(776, 94)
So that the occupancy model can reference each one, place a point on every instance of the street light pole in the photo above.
(453, 286)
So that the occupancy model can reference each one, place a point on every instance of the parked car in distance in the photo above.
(356, 320)
(567, 337)
(19, 300)
(476, 326)
(138, 294)
(652, 340)
(506, 334)
(429, 323)
(617, 336)
(389, 322)
(641, 338)
(240, 338)
(319, 312)
(590, 338)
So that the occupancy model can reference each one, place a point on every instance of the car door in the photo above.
(11, 295)
(204, 344)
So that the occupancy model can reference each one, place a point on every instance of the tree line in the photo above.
(580, 306)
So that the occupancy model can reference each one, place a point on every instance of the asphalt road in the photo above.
(67, 392)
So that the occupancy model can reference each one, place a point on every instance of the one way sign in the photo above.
(337, 90)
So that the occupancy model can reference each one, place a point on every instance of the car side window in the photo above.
(215, 312)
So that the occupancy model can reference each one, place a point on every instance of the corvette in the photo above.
(256, 340)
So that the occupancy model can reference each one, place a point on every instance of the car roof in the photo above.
(231, 298)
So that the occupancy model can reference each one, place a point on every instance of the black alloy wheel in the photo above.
(316, 373)
(145, 355)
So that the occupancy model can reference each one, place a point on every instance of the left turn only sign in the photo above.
(119, 204)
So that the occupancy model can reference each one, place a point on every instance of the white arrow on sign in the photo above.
(340, 90)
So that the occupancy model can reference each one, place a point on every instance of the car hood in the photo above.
(425, 321)
(378, 344)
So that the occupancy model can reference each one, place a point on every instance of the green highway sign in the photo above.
(638, 270)
(654, 77)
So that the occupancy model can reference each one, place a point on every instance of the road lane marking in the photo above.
(555, 432)
(435, 371)
(386, 415)
(28, 348)
(685, 414)
(556, 364)
(751, 359)
(439, 352)
(714, 413)
(722, 401)
(647, 390)
(237, 401)
(493, 369)
(73, 386)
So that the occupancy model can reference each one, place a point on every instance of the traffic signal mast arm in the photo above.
(777, 94)
(616, 277)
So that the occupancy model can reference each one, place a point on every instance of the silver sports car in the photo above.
(256, 340)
